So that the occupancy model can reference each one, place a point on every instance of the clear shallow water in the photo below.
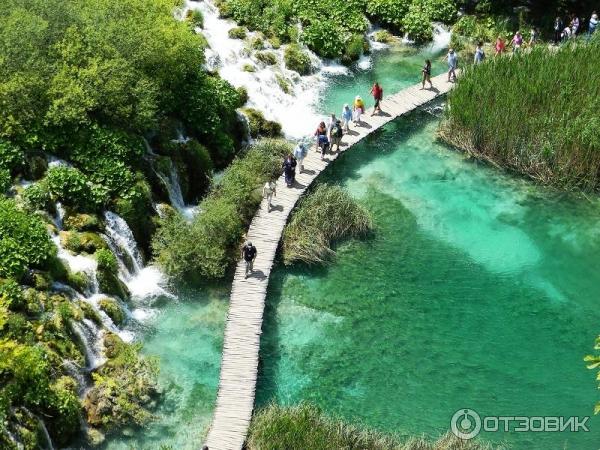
(477, 291)
(187, 337)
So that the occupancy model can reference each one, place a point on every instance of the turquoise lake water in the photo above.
(478, 290)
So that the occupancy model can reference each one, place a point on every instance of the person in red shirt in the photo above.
(377, 93)
(500, 46)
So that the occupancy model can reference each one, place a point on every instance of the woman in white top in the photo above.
(269, 190)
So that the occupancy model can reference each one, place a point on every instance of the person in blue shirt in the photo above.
(346, 117)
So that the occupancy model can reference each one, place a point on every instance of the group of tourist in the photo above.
(565, 29)
(327, 136)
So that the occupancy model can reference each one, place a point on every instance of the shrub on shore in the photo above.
(297, 59)
(509, 111)
(326, 214)
(304, 426)
(208, 245)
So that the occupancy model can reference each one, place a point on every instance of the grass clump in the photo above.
(267, 58)
(207, 247)
(237, 33)
(304, 426)
(328, 213)
(525, 124)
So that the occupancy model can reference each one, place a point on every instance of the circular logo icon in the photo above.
(465, 424)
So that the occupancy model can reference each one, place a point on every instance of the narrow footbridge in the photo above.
(239, 365)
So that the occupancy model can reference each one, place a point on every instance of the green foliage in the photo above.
(86, 241)
(593, 363)
(485, 29)
(324, 38)
(134, 206)
(37, 196)
(82, 222)
(259, 126)
(267, 58)
(70, 186)
(354, 48)
(195, 18)
(552, 137)
(24, 241)
(12, 158)
(5, 180)
(208, 245)
(388, 12)
(237, 33)
(327, 214)
(36, 167)
(297, 59)
(417, 22)
(106, 260)
(441, 10)
(304, 426)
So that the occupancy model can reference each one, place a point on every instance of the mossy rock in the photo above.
(256, 42)
(243, 95)
(90, 313)
(78, 242)
(34, 301)
(82, 222)
(259, 126)
(267, 58)
(238, 33)
(113, 309)
(283, 83)
(79, 281)
(275, 42)
(383, 36)
(297, 59)
(110, 284)
(249, 68)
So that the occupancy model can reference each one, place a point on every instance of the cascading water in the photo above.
(90, 337)
(173, 187)
(294, 109)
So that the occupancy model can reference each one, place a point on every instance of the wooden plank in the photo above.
(241, 345)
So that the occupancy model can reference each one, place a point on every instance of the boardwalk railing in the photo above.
(235, 399)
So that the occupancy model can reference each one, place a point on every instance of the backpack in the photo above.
(337, 130)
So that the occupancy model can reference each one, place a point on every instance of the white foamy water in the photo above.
(173, 187)
(294, 110)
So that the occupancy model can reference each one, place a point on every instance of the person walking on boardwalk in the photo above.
(289, 170)
(426, 71)
(249, 253)
(452, 64)
(320, 131)
(377, 93)
(479, 53)
(300, 152)
(330, 125)
(346, 117)
(335, 135)
(269, 191)
(358, 109)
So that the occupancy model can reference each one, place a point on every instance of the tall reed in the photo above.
(537, 113)
(326, 214)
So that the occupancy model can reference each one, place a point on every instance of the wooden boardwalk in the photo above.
(239, 365)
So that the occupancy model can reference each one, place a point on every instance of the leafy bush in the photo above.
(70, 186)
(556, 137)
(5, 180)
(237, 33)
(12, 158)
(417, 23)
(37, 196)
(208, 245)
(106, 260)
(24, 241)
(354, 47)
(383, 36)
(441, 10)
(326, 214)
(388, 12)
(267, 58)
(324, 38)
(297, 59)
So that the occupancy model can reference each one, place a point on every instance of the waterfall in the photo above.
(45, 434)
(121, 236)
(441, 38)
(173, 187)
(90, 337)
(143, 282)
(74, 372)
(294, 109)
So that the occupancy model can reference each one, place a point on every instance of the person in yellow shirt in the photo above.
(359, 109)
